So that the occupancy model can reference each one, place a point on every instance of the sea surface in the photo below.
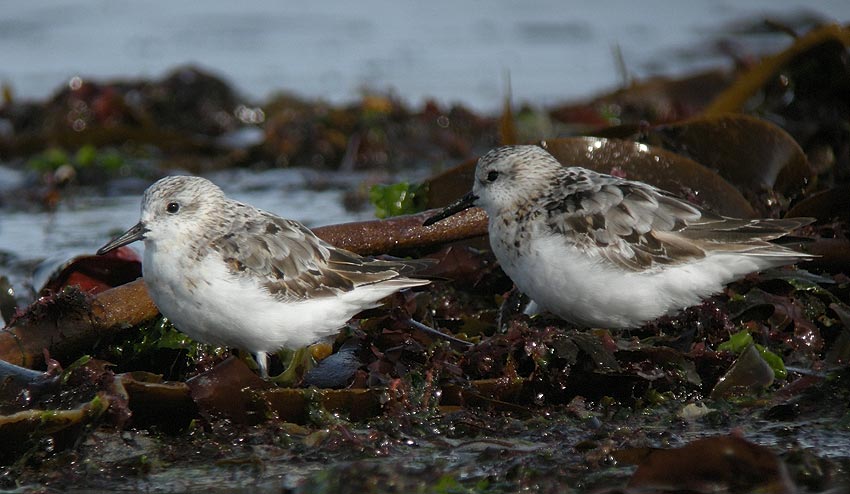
(448, 50)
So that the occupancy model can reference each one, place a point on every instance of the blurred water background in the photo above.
(452, 51)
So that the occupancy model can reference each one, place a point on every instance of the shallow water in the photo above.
(451, 51)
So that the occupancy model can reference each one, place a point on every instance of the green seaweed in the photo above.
(739, 342)
(156, 344)
(87, 156)
(48, 160)
(397, 199)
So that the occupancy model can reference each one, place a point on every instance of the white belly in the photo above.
(595, 293)
(213, 306)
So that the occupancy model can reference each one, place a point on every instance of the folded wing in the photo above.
(639, 227)
(293, 263)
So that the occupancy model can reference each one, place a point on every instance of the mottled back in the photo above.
(294, 263)
(631, 224)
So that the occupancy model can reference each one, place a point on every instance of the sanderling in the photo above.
(602, 251)
(228, 274)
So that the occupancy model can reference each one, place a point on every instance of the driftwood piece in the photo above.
(69, 322)
(402, 233)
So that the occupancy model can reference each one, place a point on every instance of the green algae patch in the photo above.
(397, 199)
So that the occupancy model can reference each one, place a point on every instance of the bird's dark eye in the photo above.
(172, 207)
(492, 176)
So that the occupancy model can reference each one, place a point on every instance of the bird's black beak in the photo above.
(130, 236)
(461, 204)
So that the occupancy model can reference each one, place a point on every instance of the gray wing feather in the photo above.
(293, 263)
(637, 226)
